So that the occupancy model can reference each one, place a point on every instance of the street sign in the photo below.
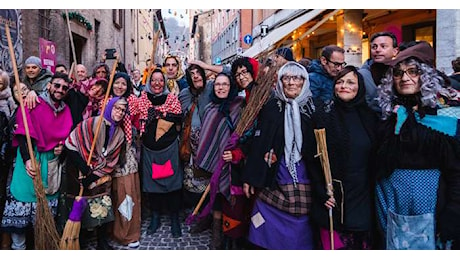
(247, 39)
(263, 30)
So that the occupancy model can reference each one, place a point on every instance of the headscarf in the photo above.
(224, 103)
(129, 86)
(294, 107)
(108, 115)
(148, 83)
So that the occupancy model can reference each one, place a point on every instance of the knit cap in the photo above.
(34, 60)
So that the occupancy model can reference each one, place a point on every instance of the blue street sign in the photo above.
(247, 39)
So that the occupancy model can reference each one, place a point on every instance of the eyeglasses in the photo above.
(158, 80)
(411, 72)
(221, 84)
(336, 64)
(119, 109)
(58, 85)
(243, 73)
(296, 79)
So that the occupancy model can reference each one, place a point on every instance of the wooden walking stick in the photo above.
(46, 235)
(320, 135)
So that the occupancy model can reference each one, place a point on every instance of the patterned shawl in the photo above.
(215, 134)
(103, 161)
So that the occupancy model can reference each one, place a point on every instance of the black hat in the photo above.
(286, 53)
(421, 51)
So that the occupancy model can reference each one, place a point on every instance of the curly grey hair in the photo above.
(431, 84)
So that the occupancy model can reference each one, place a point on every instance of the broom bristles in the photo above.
(71, 236)
(45, 232)
(259, 95)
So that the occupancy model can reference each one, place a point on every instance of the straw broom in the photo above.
(259, 95)
(71, 233)
(320, 135)
(46, 235)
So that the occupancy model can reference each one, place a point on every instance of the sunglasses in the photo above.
(58, 85)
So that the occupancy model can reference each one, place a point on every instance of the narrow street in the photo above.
(162, 239)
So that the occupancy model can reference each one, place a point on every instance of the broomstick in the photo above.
(73, 69)
(70, 236)
(259, 95)
(320, 135)
(46, 235)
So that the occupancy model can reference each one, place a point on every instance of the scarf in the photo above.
(292, 126)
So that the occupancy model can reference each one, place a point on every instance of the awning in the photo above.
(280, 32)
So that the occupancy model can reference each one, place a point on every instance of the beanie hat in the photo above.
(34, 60)
(286, 53)
(422, 51)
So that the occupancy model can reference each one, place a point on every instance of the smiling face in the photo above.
(32, 71)
(118, 112)
(58, 89)
(243, 77)
(120, 86)
(157, 83)
(222, 86)
(406, 78)
(346, 88)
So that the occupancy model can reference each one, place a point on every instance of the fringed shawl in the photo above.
(81, 138)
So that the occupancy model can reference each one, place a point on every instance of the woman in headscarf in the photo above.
(418, 157)
(350, 134)
(126, 190)
(172, 67)
(162, 174)
(220, 120)
(97, 181)
(279, 165)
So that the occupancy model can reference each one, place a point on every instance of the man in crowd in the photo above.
(49, 124)
(384, 46)
(322, 71)
(138, 87)
(282, 56)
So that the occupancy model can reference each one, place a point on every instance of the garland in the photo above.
(80, 18)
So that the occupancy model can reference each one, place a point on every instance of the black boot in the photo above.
(102, 243)
(154, 223)
(175, 225)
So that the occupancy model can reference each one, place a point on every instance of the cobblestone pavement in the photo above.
(162, 239)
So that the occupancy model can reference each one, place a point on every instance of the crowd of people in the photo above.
(169, 140)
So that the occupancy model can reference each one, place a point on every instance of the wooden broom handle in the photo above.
(101, 117)
(72, 45)
(19, 98)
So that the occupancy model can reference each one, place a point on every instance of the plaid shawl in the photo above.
(171, 105)
(81, 139)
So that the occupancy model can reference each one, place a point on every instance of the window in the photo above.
(44, 21)
(118, 18)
